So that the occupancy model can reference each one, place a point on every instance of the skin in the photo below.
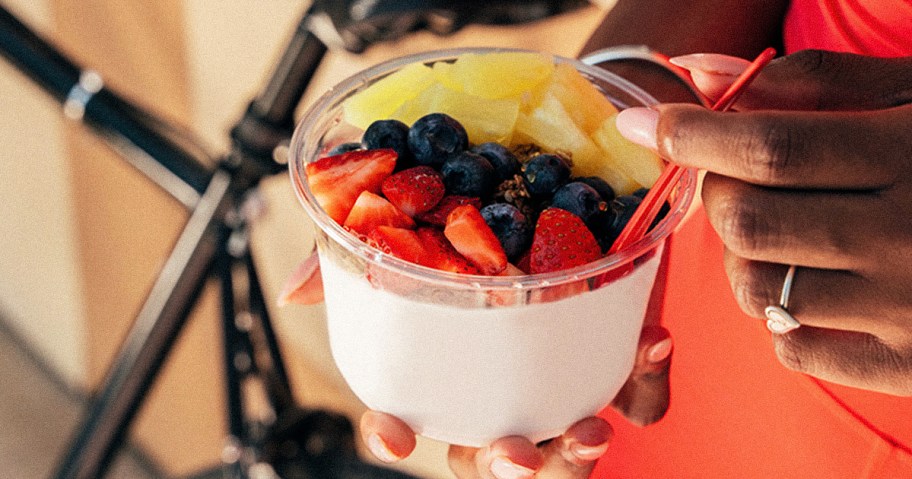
(815, 170)
(822, 143)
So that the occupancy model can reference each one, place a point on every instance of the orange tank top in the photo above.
(735, 412)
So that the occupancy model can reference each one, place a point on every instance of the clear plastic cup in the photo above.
(468, 359)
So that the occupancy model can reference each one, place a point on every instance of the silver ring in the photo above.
(778, 318)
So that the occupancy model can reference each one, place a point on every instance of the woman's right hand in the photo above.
(815, 171)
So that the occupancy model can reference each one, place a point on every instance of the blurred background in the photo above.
(84, 234)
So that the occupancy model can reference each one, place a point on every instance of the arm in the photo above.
(740, 28)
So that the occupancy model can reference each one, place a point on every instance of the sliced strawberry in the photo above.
(336, 181)
(524, 261)
(561, 241)
(371, 211)
(441, 254)
(415, 190)
(399, 242)
(472, 237)
(438, 214)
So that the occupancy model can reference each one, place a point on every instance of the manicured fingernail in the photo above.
(639, 125)
(503, 468)
(711, 64)
(380, 449)
(588, 453)
(659, 351)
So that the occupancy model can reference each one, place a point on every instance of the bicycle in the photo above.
(213, 243)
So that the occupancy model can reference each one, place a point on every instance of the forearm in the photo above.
(674, 27)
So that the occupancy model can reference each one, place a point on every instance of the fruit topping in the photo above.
(512, 228)
(561, 241)
(415, 190)
(399, 242)
(386, 95)
(371, 211)
(337, 181)
(544, 174)
(441, 254)
(389, 134)
(436, 136)
(604, 189)
(501, 158)
(623, 156)
(472, 237)
(438, 214)
(501, 75)
(579, 199)
(468, 174)
(478, 164)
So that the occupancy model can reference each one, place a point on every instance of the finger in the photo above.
(808, 228)
(853, 359)
(463, 462)
(644, 398)
(785, 148)
(820, 298)
(305, 285)
(387, 437)
(576, 451)
(512, 457)
(807, 80)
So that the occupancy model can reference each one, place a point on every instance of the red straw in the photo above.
(645, 214)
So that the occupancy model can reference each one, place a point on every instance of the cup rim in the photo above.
(312, 119)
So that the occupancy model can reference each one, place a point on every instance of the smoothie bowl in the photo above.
(464, 201)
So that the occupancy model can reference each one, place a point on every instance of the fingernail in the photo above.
(639, 125)
(711, 63)
(380, 449)
(659, 351)
(588, 453)
(503, 468)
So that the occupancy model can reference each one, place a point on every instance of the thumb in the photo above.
(807, 80)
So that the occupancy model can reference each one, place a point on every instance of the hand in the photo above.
(643, 400)
(815, 171)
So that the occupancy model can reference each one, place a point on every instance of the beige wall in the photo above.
(40, 290)
(85, 242)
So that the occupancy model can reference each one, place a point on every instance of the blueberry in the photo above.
(545, 173)
(623, 207)
(343, 148)
(602, 227)
(511, 227)
(580, 199)
(502, 159)
(641, 193)
(435, 137)
(604, 189)
(390, 134)
(607, 225)
(468, 174)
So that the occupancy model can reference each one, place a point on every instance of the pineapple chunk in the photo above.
(443, 73)
(484, 119)
(586, 105)
(635, 161)
(552, 128)
(501, 75)
(382, 98)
